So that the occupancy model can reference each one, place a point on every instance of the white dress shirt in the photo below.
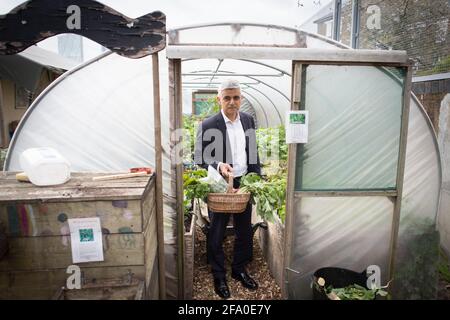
(236, 134)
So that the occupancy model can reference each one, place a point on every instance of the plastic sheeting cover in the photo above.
(101, 118)
(354, 130)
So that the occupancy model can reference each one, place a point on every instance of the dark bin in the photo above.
(338, 278)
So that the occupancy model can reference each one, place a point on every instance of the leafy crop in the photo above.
(355, 292)
(269, 195)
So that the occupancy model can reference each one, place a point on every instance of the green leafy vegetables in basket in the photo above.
(269, 195)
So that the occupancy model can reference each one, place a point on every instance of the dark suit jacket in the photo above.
(213, 145)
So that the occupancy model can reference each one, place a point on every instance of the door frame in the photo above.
(177, 53)
(395, 195)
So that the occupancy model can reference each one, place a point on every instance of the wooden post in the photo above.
(178, 124)
(176, 120)
(292, 154)
(3, 143)
(400, 169)
(159, 174)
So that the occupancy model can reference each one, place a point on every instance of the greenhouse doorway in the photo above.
(199, 98)
(345, 185)
(313, 63)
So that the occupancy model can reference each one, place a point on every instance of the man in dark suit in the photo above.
(227, 141)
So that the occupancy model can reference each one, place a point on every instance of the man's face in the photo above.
(230, 101)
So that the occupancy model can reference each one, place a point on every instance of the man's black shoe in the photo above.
(221, 288)
(245, 279)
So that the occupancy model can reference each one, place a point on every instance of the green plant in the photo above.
(416, 269)
(3, 153)
(355, 292)
(193, 188)
(444, 266)
(269, 195)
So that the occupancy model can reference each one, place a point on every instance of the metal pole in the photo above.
(355, 23)
(159, 174)
(337, 20)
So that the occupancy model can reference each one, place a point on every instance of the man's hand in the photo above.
(226, 170)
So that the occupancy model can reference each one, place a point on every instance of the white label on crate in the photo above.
(86, 240)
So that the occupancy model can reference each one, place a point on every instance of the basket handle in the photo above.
(230, 183)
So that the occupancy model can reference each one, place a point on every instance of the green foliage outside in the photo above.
(416, 273)
(190, 125)
(444, 266)
(442, 66)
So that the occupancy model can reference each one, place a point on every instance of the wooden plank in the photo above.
(3, 143)
(159, 172)
(150, 250)
(37, 253)
(400, 169)
(271, 242)
(300, 54)
(345, 193)
(148, 204)
(36, 20)
(45, 283)
(177, 169)
(132, 291)
(189, 255)
(292, 155)
(50, 219)
(48, 195)
(78, 180)
(153, 285)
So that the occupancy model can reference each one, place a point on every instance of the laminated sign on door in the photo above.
(297, 127)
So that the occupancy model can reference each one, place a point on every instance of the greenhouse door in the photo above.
(345, 183)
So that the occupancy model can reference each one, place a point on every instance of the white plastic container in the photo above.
(45, 166)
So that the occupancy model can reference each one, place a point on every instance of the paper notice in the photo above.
(297, 127)
(86, 240)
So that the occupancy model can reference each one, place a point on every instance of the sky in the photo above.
(290, 13)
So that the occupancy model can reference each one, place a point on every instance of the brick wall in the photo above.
(432, 103)
(421, 27)
(345, 35)
(430, 94)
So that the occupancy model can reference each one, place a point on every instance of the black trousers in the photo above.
(243, 243)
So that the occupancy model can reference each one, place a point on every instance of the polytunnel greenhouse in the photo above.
(364, 190)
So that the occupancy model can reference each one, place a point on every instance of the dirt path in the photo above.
(258, 269)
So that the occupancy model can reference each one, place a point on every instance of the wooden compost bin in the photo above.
(39, 239)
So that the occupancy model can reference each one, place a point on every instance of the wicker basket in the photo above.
(228, 202)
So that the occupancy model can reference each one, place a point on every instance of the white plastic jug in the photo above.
(45, 166)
